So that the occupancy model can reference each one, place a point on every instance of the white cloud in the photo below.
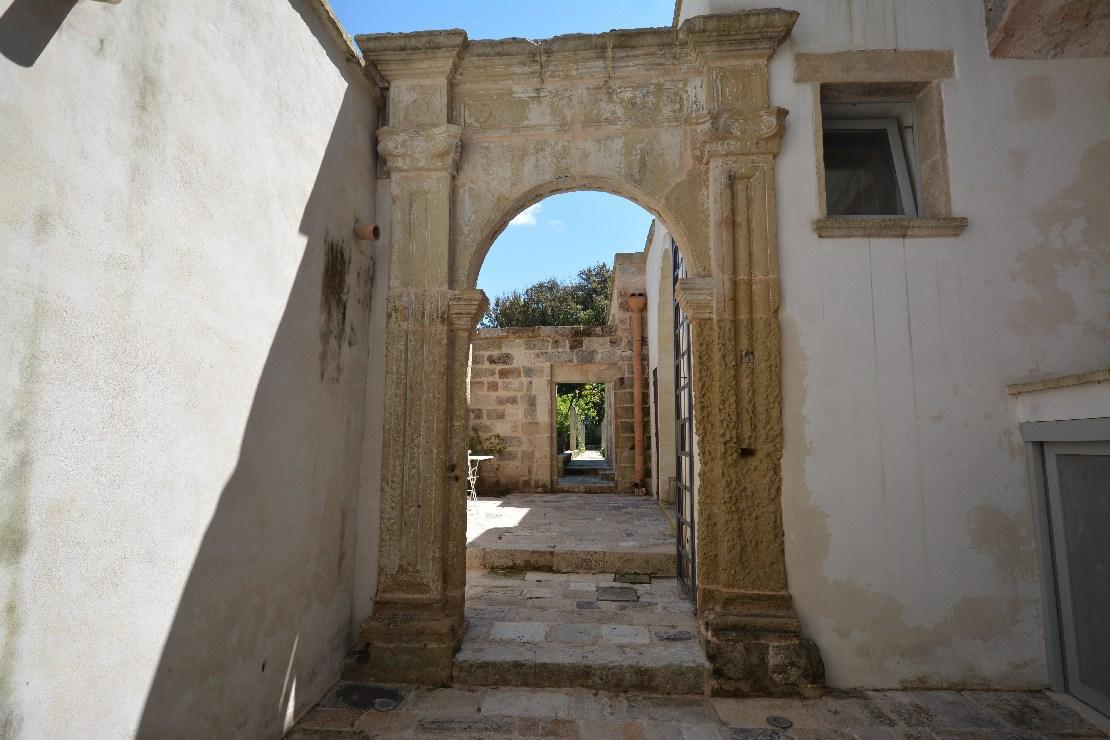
(527, 217)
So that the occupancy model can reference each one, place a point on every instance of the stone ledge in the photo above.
(1064, 381)
(888, 227)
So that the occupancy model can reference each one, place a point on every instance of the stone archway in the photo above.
(677, 120)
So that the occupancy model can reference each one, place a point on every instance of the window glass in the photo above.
(860, 176)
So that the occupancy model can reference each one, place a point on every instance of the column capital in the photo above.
(729, 133)
(421, 150)
(465, 308)
(697, 297)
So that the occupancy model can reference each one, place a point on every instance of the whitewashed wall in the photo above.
(184, 328)
(909, 534)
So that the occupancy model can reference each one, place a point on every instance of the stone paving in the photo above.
(569, 533)
(349, 713)
(580, 630)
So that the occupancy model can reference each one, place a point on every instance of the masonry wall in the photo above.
(628, 279)
(909, 532)
(184, 322)
(512, 384)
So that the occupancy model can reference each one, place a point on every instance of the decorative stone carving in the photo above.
(678, 120)
(734, 134)
(427, 150)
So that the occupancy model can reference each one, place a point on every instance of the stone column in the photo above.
(418, 609)
(748, 622)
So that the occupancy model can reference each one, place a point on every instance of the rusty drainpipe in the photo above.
(637, 303)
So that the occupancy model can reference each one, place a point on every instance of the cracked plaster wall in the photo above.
(184, 328)
(909, 533)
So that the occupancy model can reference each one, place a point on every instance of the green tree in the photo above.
(582, 302)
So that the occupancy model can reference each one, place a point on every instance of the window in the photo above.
(865, 169)
(882, 160)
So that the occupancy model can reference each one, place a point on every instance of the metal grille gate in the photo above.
(684, 438)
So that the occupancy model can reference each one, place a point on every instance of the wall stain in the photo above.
(15, 492)
(1034, 98)
(1008, 539)
(1074, 231)
(1019, 159)
(334, 294)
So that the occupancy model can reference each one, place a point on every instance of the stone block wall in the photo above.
(512, 397)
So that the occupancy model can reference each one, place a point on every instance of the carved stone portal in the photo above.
(677, 120)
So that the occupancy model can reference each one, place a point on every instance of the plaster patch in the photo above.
(1074, 231)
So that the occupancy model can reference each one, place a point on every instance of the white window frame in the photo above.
(897, 156)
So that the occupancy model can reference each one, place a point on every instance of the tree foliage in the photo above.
(581, 302)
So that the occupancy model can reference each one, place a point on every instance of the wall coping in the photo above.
(531, 332)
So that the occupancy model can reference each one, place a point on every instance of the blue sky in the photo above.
(564, 233)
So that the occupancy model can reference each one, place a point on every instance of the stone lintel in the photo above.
(465, 308)
(888, 227)
(879, 65)
(697, 296)
(418, 55)
(421, 150)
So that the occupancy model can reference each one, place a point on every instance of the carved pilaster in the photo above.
(465, 310)
(750, 630)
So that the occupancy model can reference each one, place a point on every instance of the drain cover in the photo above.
(368, 696)
(780, 722)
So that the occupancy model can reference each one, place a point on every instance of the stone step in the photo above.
(564, 631)
(659, 561)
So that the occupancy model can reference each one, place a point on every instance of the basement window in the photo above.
(866, 171)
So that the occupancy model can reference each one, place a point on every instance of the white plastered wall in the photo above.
(909, 532)
(184, 328)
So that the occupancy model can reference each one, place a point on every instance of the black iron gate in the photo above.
(684, 438)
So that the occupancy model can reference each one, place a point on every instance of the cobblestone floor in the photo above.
(348, 714)
(568, 533)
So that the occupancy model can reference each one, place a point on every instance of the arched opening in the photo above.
(561, 437)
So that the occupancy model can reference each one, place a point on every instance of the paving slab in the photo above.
(595, 715)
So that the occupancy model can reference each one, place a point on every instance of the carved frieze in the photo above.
(421, 150)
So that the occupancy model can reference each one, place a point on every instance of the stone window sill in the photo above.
(892, 227)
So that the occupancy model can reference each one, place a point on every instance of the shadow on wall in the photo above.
(27, 26)
(265, 617)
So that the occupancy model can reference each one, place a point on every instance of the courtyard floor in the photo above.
(569, 533)
(348, 713)
(578, 591)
